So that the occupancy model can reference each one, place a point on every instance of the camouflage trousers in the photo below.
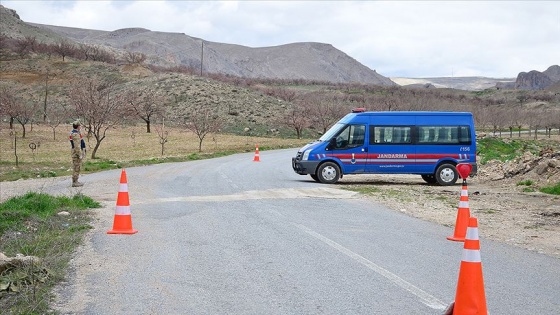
(77, 162)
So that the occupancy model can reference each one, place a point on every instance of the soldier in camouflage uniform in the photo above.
(78, 152)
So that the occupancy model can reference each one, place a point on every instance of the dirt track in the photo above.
(530, 220)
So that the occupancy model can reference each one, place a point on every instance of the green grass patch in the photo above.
(32, 226)
(553, 190)
(363, 189)
(28, 170)
(498, 149)
(505, 149)
(100, 165)
(526, 182)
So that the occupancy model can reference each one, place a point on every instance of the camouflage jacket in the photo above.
(77, 143)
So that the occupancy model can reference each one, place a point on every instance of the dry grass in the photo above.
(123, 144)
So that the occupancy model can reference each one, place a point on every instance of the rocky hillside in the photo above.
(459, 83)
(306, 61)
(535, 80)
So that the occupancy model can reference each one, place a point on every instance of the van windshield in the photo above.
(332, 132)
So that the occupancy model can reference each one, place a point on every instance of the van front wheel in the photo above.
(446, 174)
(328, 173)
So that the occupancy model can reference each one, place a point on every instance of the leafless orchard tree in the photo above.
(55, 116)
(202, 122)
(163, 135)
(17, 108)
(99, 105)
(481, 116)
(9, 104)
(147, 104)
(25, 46)
(100, 54)
(496, 119)
(297, 117)
(25, 114)
(64, 48)
(325, 111)
(85, 51)
(135, 57)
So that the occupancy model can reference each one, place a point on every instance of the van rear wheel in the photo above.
(446, 174)
(315, 178)
(328, 173)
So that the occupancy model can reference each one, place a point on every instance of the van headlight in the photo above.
(306, 155)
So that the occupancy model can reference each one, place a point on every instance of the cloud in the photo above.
(397, 38)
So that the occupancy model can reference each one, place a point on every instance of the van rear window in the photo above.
(420, 135)
(444, 135)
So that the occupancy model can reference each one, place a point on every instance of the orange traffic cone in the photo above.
(122, 223)
(470, 298)
(463, 215)
(257, 157)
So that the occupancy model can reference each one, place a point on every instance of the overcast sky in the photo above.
(417, 39)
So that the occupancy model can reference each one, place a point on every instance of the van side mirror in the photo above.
(332, 143)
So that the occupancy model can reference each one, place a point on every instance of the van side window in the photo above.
(390, 135)
(465, 133)
(444, 135)
(351, 137)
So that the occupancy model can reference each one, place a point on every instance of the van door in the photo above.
(391, 149)
(349, 149)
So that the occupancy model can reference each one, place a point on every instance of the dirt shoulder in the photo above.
(507, 211)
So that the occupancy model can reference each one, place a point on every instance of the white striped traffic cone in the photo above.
(257, 158)
(470, 298)
(463, 215)
(122, 223)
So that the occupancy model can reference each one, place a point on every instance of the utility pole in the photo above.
(201, 57)
(46, 95)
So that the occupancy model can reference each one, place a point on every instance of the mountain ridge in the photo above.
(310, 61)
(306, 60)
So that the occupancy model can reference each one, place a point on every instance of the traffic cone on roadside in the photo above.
(470, 298)
(257, 158)
(122, 223)
(463, 215)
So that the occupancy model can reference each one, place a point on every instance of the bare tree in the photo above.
(9, 104)
(162, 134)
(296, 117)
(55, 116)
(32, 43)
(85, 51)
(17, 109)
(25, 114)
(100, 54)
(22, 47)
(99, 105)
(135, 57)
(146, 104)
(324, 110)
(46, 49)
(202, 122)
(64, 48)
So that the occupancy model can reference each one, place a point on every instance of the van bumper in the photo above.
(474, 169)
(304, 167)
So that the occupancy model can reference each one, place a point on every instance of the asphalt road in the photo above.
(233, 236)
